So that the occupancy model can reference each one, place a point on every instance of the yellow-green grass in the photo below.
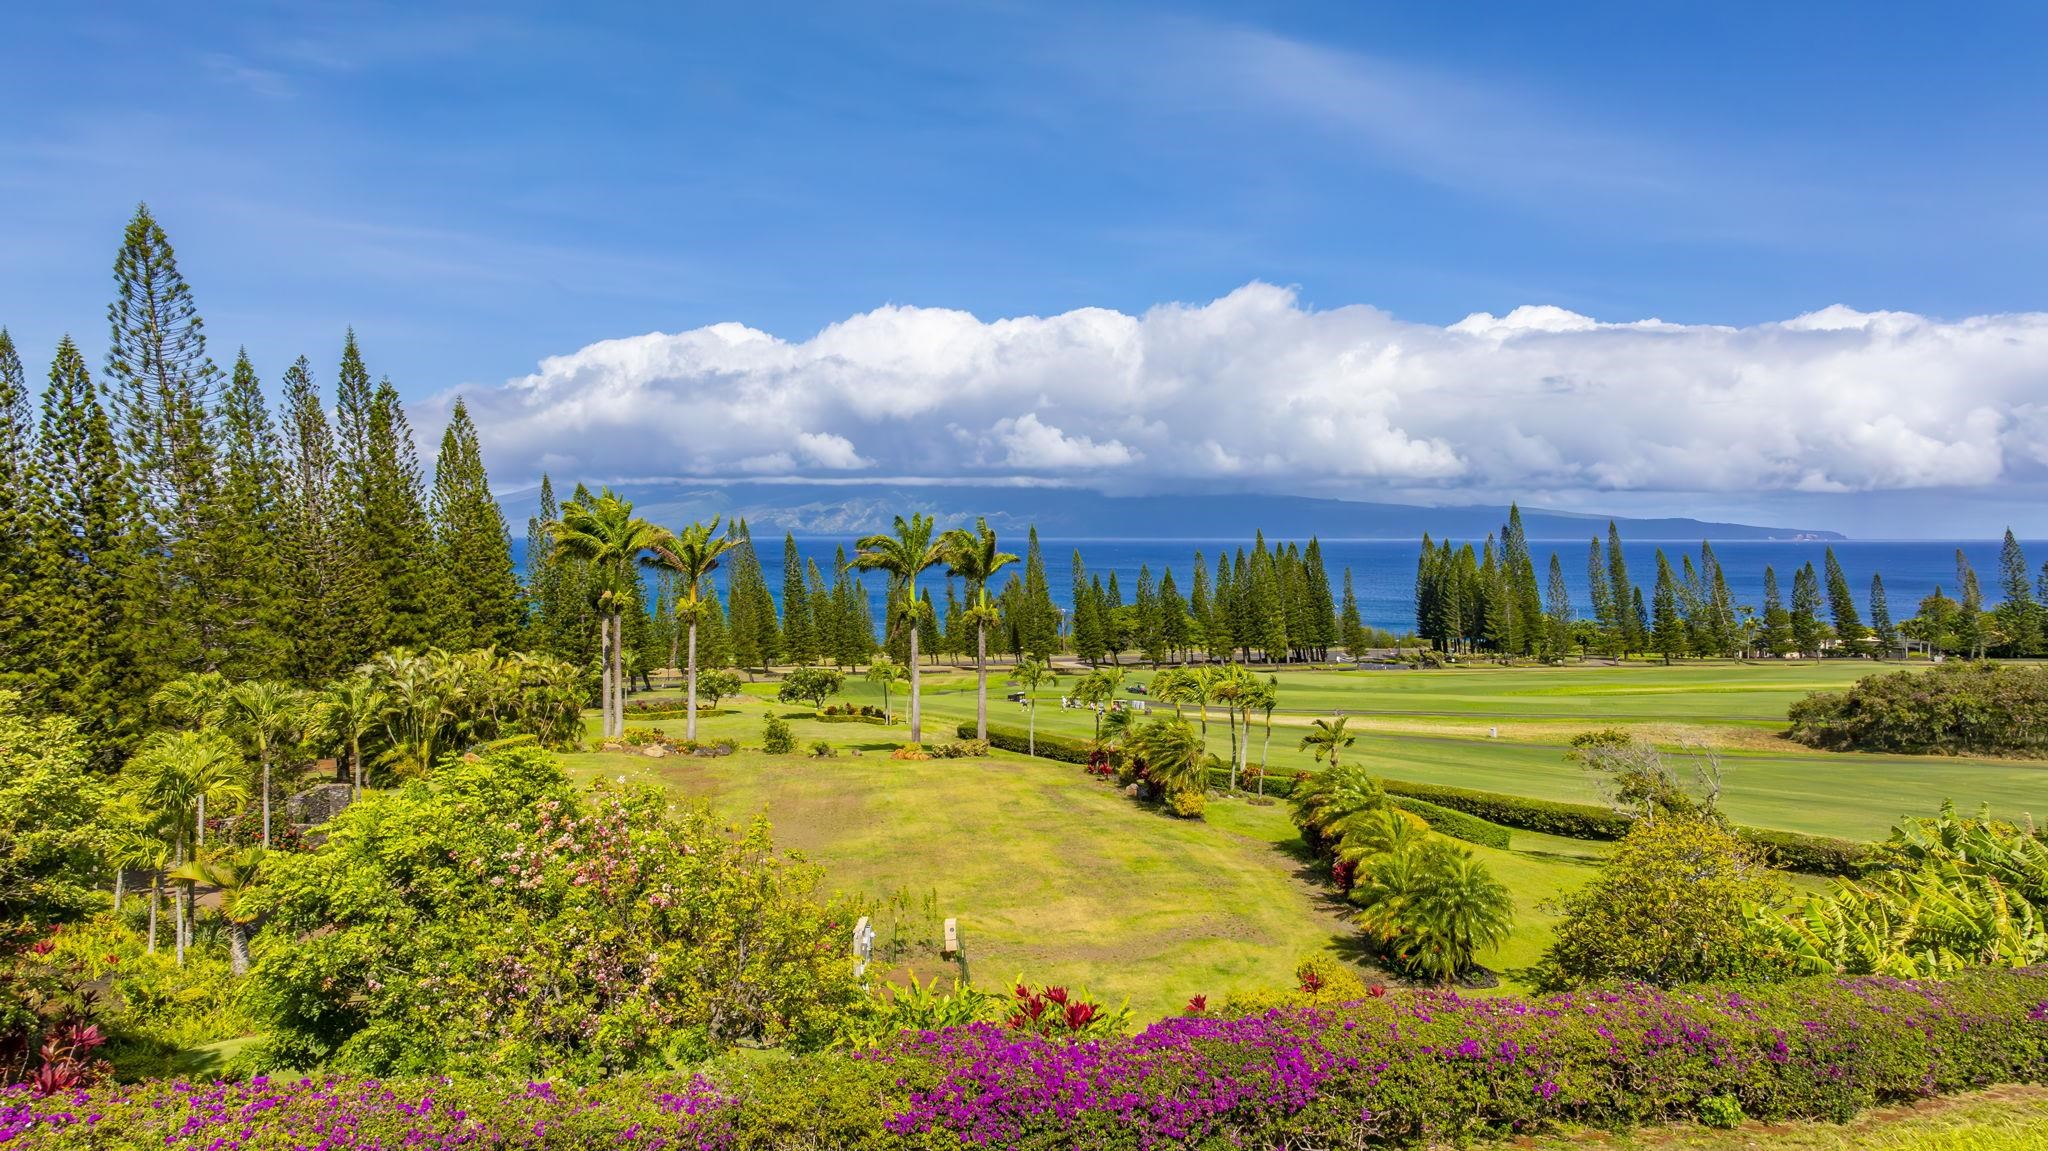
(2013, 1118)
(1768, 782)
(1054, 874)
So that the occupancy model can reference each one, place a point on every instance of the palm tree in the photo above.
(420, 697)
(607, 537)
(199, 699)
(1239, 691)
(1327, 739)
(973, 556)
(1329, 802)
(885, 671)
(266, 713)
(1268, 698)
(1177, 686)
(1029, 674)
(349, 710)
(904, 555)
(692, 554)
(1099, 687)
(1435, 906)
(234, 873)
(1174, 754)
(175, 771)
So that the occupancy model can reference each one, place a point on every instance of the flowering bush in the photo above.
(1403, 1068)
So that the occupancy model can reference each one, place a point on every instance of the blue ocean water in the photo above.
(1383, 571)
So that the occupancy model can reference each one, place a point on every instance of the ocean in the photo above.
(1383, 571)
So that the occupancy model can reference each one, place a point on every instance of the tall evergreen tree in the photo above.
(1350, 626)
(1321, 614)
(1667, 627)
(1201, 611)
(1777, 631)
(1842, 607)
(256, 644)
(1625, 591)
(1039, 629)
(1558, 610)
(1086, 620)
(17, 551)
(329, 597)
(1806, 625)
(1174, 626)
(1970, 604)
(82, 518)
(479, 587)
(2018, 616)
(355, 480)
(799, 634)
(1605, 611)
(1525, 627)
(1881, 624)
(398, 540)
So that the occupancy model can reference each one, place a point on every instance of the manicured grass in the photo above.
(2001, 1119)
(1443, 735)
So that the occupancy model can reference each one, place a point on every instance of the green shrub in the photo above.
(776, 736)
(964, 749)
(1188, 803)
(1721, 1111)
(1456, 824)
(812, 685)
(1056, 747)
(1670, 906)
(1950, 709)
(1812, 854)
(1432, 907)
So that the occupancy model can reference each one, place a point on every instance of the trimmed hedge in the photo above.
(821, 717)
(1456, 824)
(1055, 747)
(1813, 854)
(1571, 820)
(1404, 1068)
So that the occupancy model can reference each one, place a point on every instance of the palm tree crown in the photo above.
(904, 554)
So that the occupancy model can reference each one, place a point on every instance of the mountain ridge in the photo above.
(1075, 513)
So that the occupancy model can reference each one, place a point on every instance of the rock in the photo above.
(654, 751)
(1131, 791)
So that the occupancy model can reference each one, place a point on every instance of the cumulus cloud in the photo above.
(1258, 390)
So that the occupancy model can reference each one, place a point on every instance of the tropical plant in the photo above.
(56, 828)
(234, 873)
(1177, 686)
(348, 710)
(903, 555)
(883, 672)
(776, 736)
(603, 532)
(1175, 759)
(199, 700)
(421, 697)
(1330, 802)
(974, 557)
(1099, 690)
(174, 774)
(266, 715)
(692, 554)
(1433, 907)
(1327, 739)
(1031, 674)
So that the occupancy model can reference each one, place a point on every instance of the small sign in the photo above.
(863, 946)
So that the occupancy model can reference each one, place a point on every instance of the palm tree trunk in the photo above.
(199, 821)
(690, 720)
(156, 883)
(355, 763)
(264, 754)
(238, 948)
(618, 674)
(981, 682)
(178, 917)
(1031, 724)
(916, 710)
(120, 886)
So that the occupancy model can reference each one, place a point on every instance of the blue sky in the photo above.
(478, 189)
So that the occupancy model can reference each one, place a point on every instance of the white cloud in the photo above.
(1259, 390)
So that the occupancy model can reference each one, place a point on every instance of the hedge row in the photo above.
(1787, 850)
(821, 717)
(1065, 749)
(1406, 1068)
(1456, 824)
(1571, 820)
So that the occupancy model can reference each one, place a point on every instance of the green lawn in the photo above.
(2010, 1118)
(1434, 726)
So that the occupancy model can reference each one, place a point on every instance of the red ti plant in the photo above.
(1055, 1011)
(1197, 1005)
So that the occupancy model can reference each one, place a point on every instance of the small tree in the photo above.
(717, 685)
(1327, 739)
(813, 685)
(1432, 907)
(1030, 675)
(776, 736)
(886, 672)
(1668, 907)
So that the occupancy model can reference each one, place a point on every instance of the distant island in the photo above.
(813, 509)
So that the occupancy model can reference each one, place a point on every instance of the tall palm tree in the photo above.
(234, 873)
(265, 714)
(905, 554)
(606, 535)
(974, 557)
(692, 554)
(1099, 687)
(350, 709)
(174, 772)
(1268, 698)
(1327, 739)
(1029, 675)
